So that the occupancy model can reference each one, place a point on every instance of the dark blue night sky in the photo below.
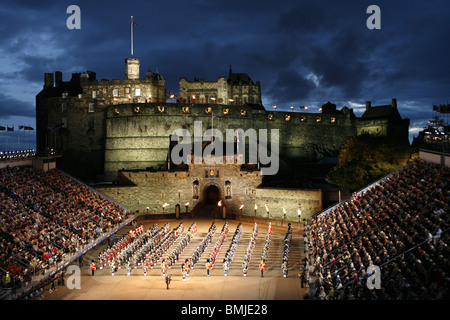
(302, 52)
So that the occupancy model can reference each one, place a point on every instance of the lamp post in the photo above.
(241, 207)
(256, 207)
(284, 213)
(186, 205)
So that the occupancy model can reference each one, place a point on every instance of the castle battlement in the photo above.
(101, 127)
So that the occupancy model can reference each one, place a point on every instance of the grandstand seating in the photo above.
(399, 224)
(46, 215)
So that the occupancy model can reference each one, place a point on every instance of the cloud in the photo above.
(10, 107)
(303, 52)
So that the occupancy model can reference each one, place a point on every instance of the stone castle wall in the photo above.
(138, 140)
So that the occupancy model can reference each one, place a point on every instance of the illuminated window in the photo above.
(64, 94)
(91, 107)
(185, 110)
(243, 112)
(137, 92)
(161, 109)
(94, 94)
(208, 110)
(115, 92)
(287, 117)
(270, 116)
(333, 120)
(226, 111)
(136, 110)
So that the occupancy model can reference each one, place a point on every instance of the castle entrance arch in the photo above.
(212, 194)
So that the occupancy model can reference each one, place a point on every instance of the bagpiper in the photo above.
(145, 268)
(208, 267)
(113, 267)
(284, 268)
(225, 267)
(163, 267)
(129, 268)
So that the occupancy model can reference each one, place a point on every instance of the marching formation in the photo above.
(250, 247)
(190, 263)
(287, 246)
(145, 249)
(232, 249)
(217, 246)
(264, 252)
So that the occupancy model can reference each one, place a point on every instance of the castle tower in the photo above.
(132, 69)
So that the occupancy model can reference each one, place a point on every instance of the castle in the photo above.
(119, 130)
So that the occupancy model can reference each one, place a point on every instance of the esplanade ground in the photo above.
(197, 286)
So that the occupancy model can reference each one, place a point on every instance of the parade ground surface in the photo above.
(198, 286)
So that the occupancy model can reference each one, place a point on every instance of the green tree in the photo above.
(366, 158)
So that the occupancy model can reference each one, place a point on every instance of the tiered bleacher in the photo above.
(45, 216)
(399, 224)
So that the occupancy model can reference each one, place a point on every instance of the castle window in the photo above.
(185, 110)
(94, 94)
(208, 110)
(80, 96)
(127, 90)
(137, 92)
(115, 92)
(64, 94)
(91, 122)
(64, 122)
(333, 120)
(64, 107)
(91, 107)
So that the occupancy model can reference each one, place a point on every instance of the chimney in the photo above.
(48, 80)
(368, 105)
(394, 103)
(58, 78)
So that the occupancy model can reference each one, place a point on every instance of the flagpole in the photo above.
(131, 36)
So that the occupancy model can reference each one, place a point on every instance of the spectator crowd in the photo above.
(44, 216)
(400, 224)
